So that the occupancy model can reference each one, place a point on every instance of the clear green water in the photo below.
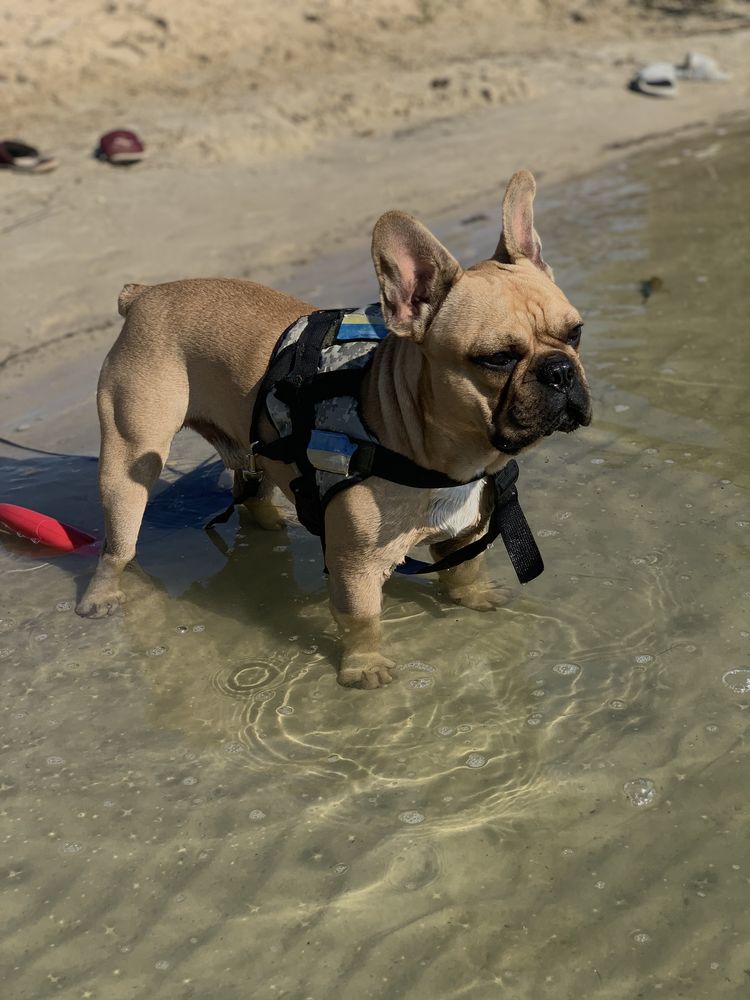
(191, 807)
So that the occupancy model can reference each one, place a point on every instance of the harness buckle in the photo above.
(252, 469)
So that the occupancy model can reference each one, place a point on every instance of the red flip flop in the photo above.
(17, 155)
(120, 146)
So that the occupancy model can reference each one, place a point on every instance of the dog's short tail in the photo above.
(128, 296)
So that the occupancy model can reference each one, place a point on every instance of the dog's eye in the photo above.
(574, 336)
(501, 361)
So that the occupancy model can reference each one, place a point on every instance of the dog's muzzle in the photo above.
(569, 396)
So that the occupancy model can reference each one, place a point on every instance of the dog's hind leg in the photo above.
(137, 431)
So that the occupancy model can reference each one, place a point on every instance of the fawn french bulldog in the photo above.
(478, 365)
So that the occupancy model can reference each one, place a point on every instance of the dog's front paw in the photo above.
(98, 605)
(480, 597)
(365, 670)
(265, 514)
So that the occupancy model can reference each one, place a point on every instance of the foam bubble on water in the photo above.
(55, 761)
(618, 705)
(463, 728)
(419, 665)
(233, 748)
(190, 780)
(644, 658)
(597, 461)
(640, 791)
(547, 533)
(411, 817)
(340, 869)
(156, 651)
(621, 408)
(567, 669)
(534, 720)
(641, 937)
(63, 606)
(476, 760)
(538, 693)
(199, 628)
(264, 696)
(71, 847)
(421, 682)
(285, 710)
(445, 731)
(738, 680)
(5, 652)
(162, 965)
(182, 629)
(256, 815)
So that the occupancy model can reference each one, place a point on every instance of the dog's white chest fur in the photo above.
(454, 509)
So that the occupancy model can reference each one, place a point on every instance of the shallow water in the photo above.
(551, 801)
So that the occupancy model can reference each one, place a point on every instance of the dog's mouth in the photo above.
(576, 413)
(573, 411)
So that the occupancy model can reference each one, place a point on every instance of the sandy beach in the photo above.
(275, 139)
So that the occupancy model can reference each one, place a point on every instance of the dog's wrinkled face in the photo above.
(511, 340)
(501, 339)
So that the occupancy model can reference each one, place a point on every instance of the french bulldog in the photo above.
(478, 365)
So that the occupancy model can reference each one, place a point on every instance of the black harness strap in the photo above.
(321, 331)
(508, 521)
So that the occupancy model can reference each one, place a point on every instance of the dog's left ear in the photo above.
(518, 239)
(415, 273)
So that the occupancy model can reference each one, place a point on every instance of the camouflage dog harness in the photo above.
(311, 394)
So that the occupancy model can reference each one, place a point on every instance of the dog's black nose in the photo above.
(557, 372)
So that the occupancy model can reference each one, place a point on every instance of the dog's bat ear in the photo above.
(415, 273)
(518, 239)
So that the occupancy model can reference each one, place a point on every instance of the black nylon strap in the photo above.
(372, 459)
(515, 532)
(222, 517)
(508, 521)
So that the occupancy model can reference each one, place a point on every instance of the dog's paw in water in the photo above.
(100, 605)
(365, 670)
(480, 597)
(265, 514)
